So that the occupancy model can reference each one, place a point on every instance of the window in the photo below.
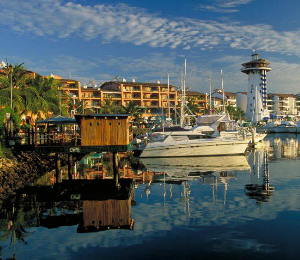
(91, 124)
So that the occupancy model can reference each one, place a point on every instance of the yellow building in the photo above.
(151, 97)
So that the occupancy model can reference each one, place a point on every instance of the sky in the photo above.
(147, 39)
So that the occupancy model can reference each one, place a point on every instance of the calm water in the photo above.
(220, 208)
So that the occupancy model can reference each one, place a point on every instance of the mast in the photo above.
(183, 97)
(223, 91)
(210, 85)
(169, 108)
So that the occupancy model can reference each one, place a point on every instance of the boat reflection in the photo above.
(259, 188)
(189, 167)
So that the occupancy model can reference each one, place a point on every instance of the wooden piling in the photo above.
(57, 167)
(116, 167)
(70, 166)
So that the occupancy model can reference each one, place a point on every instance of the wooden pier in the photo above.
(80, 135)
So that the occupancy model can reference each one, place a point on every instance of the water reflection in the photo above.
(208, 200)
(282, 146)
(259, 188)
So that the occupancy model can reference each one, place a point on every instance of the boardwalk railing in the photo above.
(57, 139)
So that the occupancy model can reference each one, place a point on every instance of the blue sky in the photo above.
(147, 39)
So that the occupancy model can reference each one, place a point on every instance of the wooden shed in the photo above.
(105, 130)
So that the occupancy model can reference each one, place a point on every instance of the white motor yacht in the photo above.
(192, 148)
(210, 125)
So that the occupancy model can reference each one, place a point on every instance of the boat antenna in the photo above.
(223, 91)
(210, 85)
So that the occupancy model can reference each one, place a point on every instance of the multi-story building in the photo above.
(282, 104)
(217, 99)
(195, 98)
(151, 97)
(70, 86)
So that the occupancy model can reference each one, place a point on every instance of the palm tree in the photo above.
(109, 107)
(230, 110)
(132, 109)
(239, 113)
(13, 76)
(43, 95)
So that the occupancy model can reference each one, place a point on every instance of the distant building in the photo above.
(196, 98)
(241, 100)
(282, 104)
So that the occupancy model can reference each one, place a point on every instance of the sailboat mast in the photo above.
(223, 91)
(183, 97)
(169, 108)
(210, 85)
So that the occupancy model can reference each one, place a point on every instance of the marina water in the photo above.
(248, 211)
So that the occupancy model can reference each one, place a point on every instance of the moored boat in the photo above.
(192, 148)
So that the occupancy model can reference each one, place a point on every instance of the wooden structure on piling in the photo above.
(82, 135)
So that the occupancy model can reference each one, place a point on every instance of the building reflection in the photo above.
(283, 146)
(259, 189)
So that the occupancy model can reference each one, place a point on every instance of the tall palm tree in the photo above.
(15, 74)
(12, 76)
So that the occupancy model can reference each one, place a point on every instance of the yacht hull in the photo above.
(193, 149)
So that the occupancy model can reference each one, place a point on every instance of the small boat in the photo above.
(286, 127)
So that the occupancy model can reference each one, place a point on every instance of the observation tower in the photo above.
(256, 69)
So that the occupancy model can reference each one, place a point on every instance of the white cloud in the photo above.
(122, 23)
(223, 6)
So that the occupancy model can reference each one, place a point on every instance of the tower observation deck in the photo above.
(256, 69)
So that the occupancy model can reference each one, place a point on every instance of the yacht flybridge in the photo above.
(210, 126)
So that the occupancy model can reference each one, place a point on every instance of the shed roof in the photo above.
(109, 116)
(59, 120)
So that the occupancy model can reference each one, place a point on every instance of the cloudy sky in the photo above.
(146, 40)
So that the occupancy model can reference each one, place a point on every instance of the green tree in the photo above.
(239, 113)
(43, 95)
(15, 76)
(109, 107)
(132, 109)
(231, 111)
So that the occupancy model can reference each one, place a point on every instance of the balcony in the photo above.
(132, 89)
(155, 97)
